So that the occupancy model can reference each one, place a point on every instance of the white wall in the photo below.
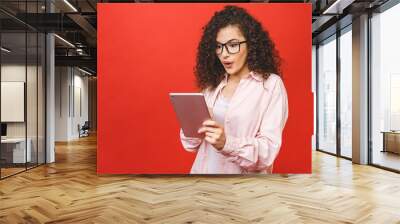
(314, 90)
(61, 103)
(33, 127)
(71, 93)
(16, 73)
(80, 84)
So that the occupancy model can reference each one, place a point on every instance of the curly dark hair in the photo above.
(262, 56)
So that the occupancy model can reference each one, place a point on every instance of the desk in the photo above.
(391, 141)
(13, 150)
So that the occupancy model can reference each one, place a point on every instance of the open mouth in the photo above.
(227, 64)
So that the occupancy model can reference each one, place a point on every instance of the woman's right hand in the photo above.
(214, 134)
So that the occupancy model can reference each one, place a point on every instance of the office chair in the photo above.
(84, 130)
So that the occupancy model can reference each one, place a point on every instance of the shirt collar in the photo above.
(253, 75)
(256, 76)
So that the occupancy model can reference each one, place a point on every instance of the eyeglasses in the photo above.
(232, 46)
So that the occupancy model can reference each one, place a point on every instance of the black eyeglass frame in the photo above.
(226, 47)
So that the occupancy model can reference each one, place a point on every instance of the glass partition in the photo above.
(22, 88)
(14, 153)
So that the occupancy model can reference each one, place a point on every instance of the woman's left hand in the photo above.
(214, 134)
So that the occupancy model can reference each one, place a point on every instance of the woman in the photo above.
(237, 67)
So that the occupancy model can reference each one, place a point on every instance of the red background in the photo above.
(147, 50)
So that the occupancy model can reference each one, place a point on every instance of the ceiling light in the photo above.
(337, 7)
(5, 50)
(70, 5)
(84, 71)
(64, 40)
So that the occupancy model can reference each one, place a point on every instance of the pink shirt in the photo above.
(253, 125)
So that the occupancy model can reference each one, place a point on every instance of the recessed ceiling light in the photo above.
(64, 40)
(5, 50)
(337, 7)
(84, 71)
(70, 5)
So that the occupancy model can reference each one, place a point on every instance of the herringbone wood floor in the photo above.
(70, 191)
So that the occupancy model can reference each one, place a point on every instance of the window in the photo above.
(385, 88)
(346, 92)
(327, 95)
(22, 78)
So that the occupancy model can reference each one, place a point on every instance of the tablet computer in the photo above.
(191, 110)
